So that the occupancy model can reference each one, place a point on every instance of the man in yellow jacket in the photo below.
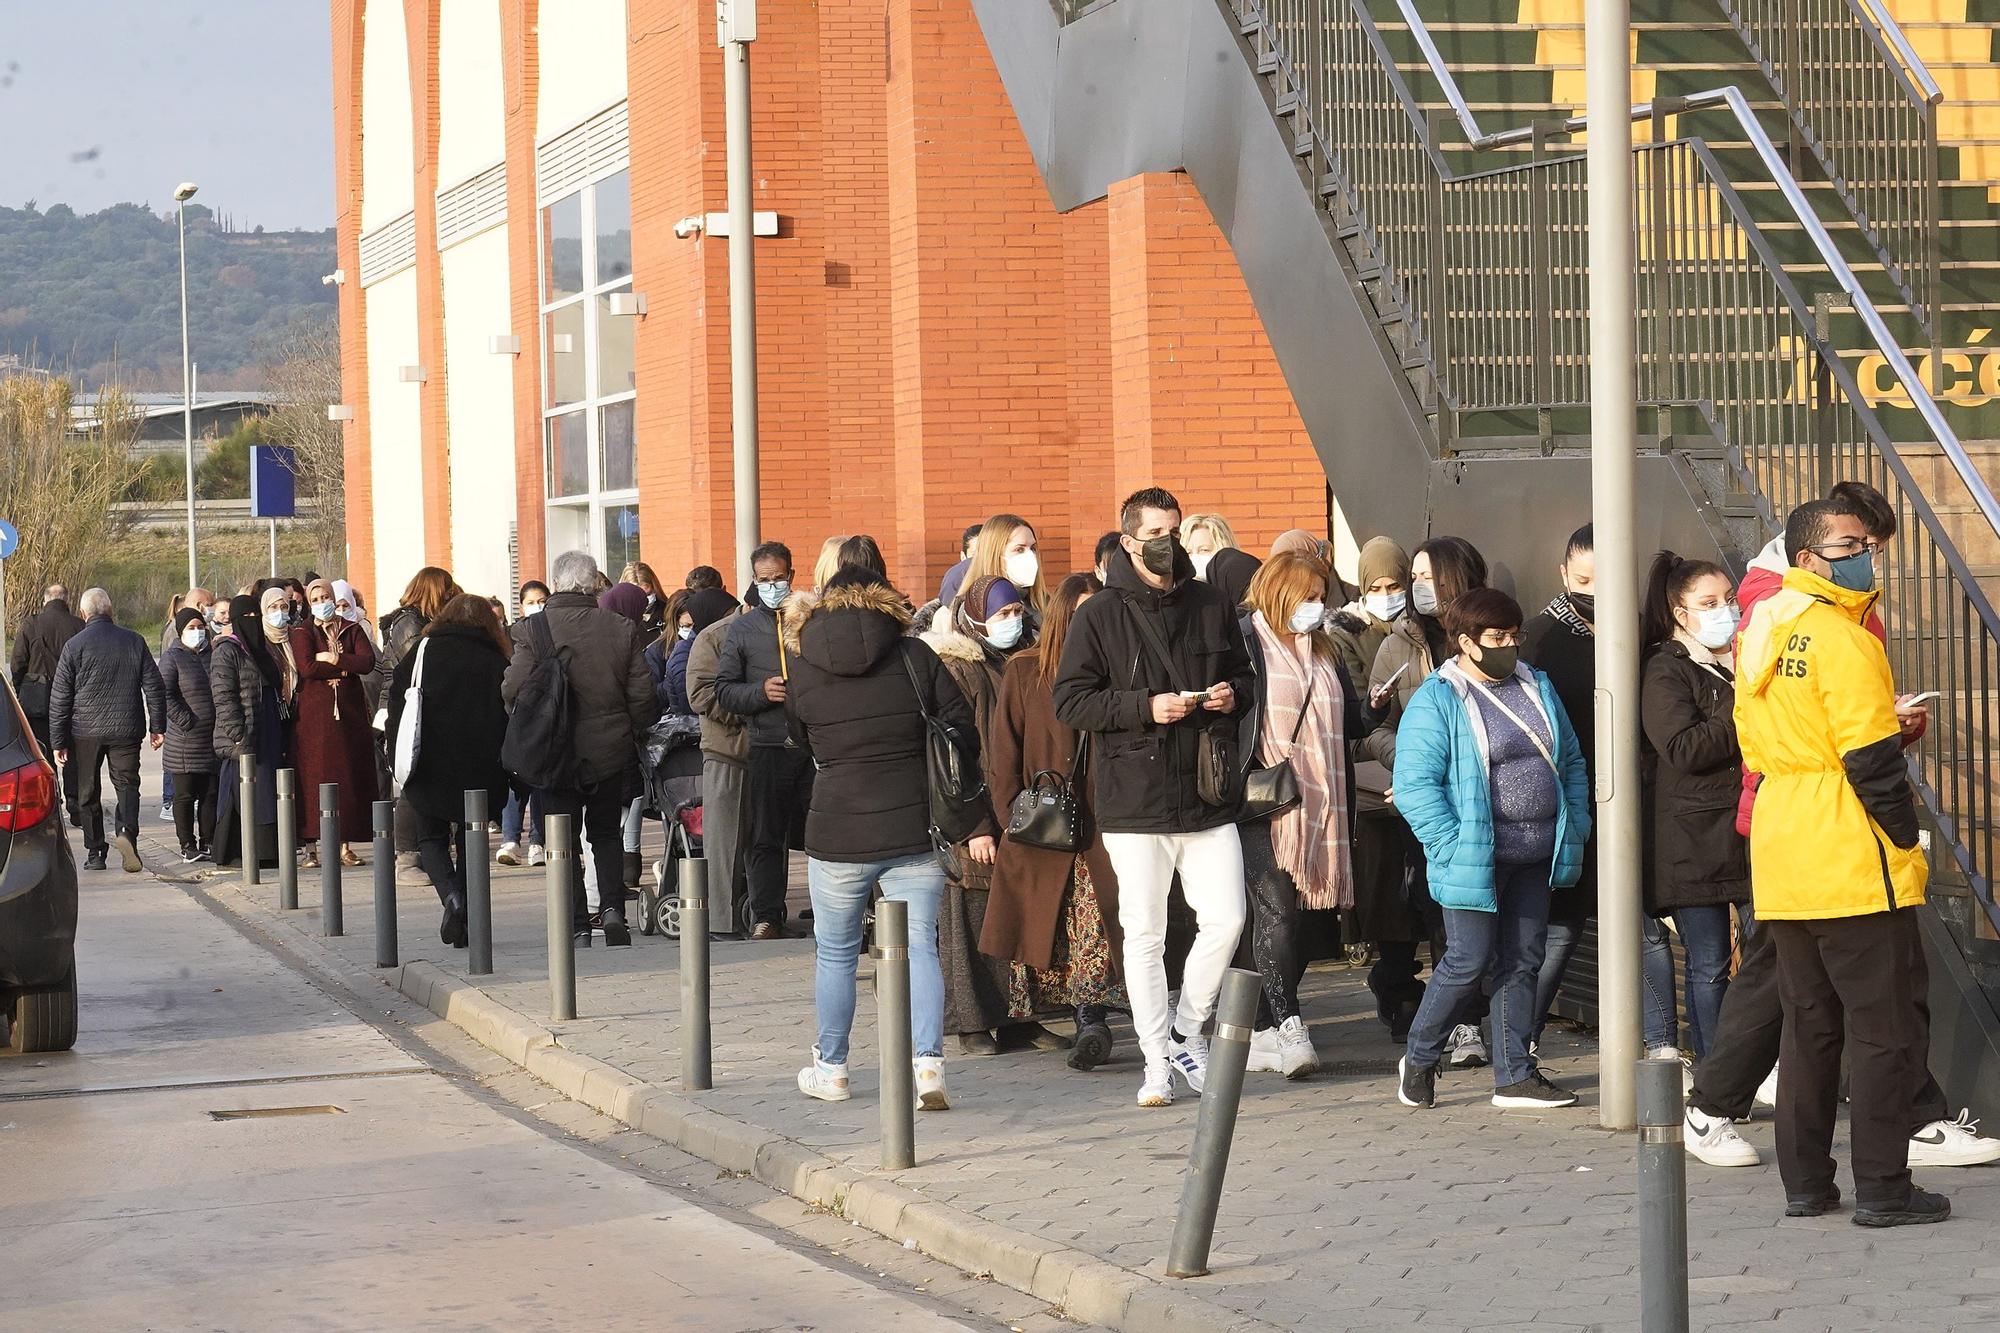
(1836, 870)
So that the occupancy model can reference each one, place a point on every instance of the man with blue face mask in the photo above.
(750, 680)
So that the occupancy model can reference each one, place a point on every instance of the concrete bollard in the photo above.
(1215, 1127)
(385, 884)
(330, 920)
(696, 1075)
(562, 948)
(288, 840)
(892, 1017)
(478, 887)
(1663, 1255)
(246, 813)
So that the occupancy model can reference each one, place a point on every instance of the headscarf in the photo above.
(627, 599)
(1298, 541)
(1230, 571)
(343, 591)
(708, 605)
(1383, 558)
(246, 622)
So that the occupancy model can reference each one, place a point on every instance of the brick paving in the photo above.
(1343, 1209)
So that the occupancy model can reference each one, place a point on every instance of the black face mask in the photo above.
(1497, 663)
(1585, 604)
(1157, 554)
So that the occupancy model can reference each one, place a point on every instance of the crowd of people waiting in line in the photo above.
(1408, 757)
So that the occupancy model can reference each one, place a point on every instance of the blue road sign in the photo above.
(271, 481)
(10, 540)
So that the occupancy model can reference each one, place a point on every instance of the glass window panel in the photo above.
(615, 335)
(617, 469)
(562, 335)
(562, 241)
(567, 461)
(614, 228)
(621, 535)
(569, 528)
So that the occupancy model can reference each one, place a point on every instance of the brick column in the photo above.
(358, 496)
(420, 26)
(519, 82)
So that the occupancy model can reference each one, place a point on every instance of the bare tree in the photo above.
(59, 478)
(305, 377)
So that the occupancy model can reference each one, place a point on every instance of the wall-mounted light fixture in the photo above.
(504, 344)
(412, 374)
(628, 303)
(340, 411)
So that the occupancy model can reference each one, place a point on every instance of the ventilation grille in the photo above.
(577, 157)
(389, 249)
(475, 204)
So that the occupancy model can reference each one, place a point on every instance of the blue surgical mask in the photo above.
(1004, 634)
(1385, 605)
(324, 610)
(1715, 627)
(684, 633)
(277, 618)
(1308, 617)
(774, 593)
(1856, 572)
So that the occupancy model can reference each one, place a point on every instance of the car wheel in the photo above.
(44, 1020)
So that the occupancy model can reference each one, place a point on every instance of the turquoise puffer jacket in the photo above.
(1441, 788)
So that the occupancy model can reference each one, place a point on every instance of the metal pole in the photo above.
(696, 1074)
(1613, 450)
(330, 922)
(1663, 1258)
(892, 1017)
(1215, 1127)
(288, 840)
(246, 813)
(274, 548)
(562, 948)
(478, 887)
(385, 883)
(187, 400)
(742, 303)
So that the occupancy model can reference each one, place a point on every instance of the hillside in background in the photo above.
(98, 292)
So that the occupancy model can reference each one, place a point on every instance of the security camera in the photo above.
(688, 228)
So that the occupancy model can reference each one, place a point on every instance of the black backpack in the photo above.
(540, 748)
(957, 783)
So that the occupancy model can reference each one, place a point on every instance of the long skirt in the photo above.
(975, 986)
(1080, 969)
(269, 731)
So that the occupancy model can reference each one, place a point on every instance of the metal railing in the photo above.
(1862, 102)
(1490, 270)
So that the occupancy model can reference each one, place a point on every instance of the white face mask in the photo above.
(351, 614)
(684, 632)
(532, 609)
(1309, 617)
(1384, 605)
(1200, 563)
(1715, 627)
(1021, 568)
(194, 636)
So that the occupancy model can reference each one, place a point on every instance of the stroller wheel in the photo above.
(649, 904)
(667, 915)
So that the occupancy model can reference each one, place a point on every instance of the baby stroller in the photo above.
(671, 759)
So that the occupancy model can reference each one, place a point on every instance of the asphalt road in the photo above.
(235, 1145)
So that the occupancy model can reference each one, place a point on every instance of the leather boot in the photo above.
(632, 866)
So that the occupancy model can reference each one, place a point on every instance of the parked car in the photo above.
(37, 894)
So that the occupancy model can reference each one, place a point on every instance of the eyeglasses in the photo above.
(1851, 546)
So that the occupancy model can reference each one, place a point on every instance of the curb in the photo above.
(1081, 1285)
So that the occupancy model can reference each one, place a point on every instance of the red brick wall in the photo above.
(358, 491)
(519, 64)
(420, 25)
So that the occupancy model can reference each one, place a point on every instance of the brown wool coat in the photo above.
(1022, 738)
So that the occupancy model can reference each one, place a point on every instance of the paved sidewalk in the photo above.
(1342, 1209)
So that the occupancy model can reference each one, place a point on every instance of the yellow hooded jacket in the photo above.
(1835, 828)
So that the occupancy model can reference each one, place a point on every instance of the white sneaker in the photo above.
(1158, 1088)
(1716, 1141)
(1952, 1143)
(509, 854)
(1295, 1045)
(1468, 1047)
(1189, 1056)
(1264, 1055)
(537, 855)
(1674, 1053)
(1767, 1091)
(930, 1083)
(824, 1081)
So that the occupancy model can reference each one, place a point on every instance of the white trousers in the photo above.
(1211, 870)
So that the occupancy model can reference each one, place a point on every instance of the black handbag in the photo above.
(1218, 770)
(951, 762)
(1046, 813)
(1274, 790)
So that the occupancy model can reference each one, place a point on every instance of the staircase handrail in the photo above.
(1873, 11)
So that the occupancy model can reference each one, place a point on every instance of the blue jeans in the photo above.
(1704, 933)
(840, 894)
(1562, 938)
(1507, 945)
(510, 818)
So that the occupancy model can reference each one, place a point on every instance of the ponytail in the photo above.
(1666, 583)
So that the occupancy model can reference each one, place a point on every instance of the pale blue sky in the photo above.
(112, 101)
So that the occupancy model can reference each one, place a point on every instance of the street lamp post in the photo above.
(735, 29)
(182, 194)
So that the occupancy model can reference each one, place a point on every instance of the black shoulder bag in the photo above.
(1274, 790)
(1218, 770)
(957, 784)
(1046, 813)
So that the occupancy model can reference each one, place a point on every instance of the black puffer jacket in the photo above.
(38, 647)
(1143, 775)
(852, 701)
(749, 658)
(1559, 643)
(464, 721)
(234, 686)
(1688, 712)
(611, 696)
(107, 687)
(190, 710)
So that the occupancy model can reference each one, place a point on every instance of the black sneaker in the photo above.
(616, 932)
(1416, 1085)
(1812, 1205)
(581, 938)
(1922, 1206)
(1533, 1092)
(93, 860)
(189, 853)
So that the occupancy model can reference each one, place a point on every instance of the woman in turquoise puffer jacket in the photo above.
(1492, 781)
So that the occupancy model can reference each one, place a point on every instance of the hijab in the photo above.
(627, 599)
(707, 606)
(246, 622)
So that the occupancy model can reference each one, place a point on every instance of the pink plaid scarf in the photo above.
(1310, 840)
